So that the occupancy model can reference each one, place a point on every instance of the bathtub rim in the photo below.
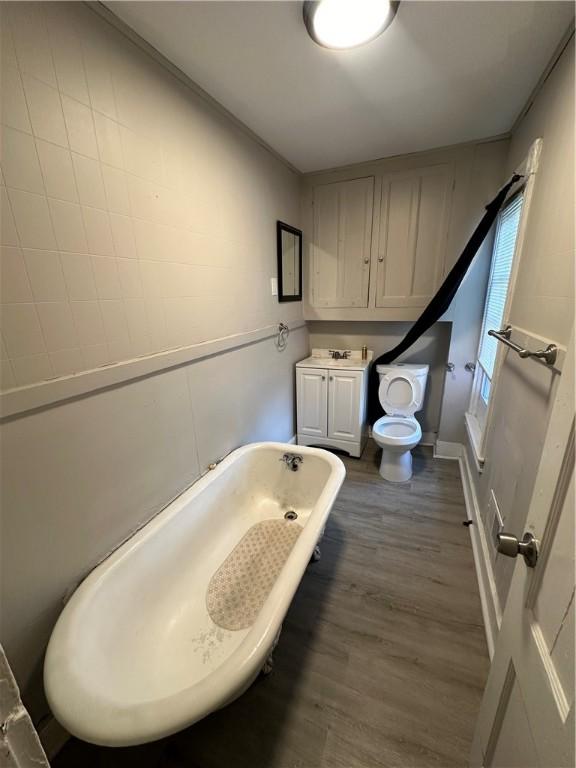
(110, 723)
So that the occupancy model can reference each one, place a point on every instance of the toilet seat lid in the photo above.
(400, 393)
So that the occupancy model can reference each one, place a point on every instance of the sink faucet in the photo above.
(292, 461)
(337, 355)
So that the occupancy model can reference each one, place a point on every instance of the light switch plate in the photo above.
(274, 286)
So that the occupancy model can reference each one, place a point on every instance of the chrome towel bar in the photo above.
(548, 355)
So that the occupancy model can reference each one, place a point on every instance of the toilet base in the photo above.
(396, 466)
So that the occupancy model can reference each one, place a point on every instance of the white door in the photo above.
(312, 401)
(527, 714)
(341, 243)
(412, 232)
(345, 405)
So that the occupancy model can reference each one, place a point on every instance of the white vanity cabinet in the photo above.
(312, 401)
(331, 403)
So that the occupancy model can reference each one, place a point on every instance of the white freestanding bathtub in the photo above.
(135, 654)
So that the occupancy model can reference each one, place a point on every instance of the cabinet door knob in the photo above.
(366, 261)
(323, 378)
(380, 258)
(331, 378)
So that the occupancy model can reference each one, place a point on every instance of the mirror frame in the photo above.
(282, 227)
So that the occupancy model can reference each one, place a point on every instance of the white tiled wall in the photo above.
(134, 217)
(77, 478)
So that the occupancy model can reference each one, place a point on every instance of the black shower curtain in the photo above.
(441, 300)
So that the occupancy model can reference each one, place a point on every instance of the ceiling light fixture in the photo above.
(345, 24)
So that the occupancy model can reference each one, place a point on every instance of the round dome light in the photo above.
(345, 24)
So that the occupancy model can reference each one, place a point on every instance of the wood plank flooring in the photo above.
(382, 659)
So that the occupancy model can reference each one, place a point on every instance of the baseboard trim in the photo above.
(491, 611)
(52, 736)
(292, 440)
(428, 438)
(446, 450)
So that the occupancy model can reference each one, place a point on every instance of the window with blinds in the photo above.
(502, 256)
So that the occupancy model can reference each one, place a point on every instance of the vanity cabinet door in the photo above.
(412, 234)
(345, 405)
(341, 243)
(312, 401)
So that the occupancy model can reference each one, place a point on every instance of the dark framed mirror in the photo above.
(289, 246)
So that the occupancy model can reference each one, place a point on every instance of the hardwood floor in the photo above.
(382, 659)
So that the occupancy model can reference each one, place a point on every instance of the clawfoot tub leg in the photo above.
(316, 555)
(269, 663)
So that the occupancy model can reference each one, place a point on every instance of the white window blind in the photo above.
(503, 253)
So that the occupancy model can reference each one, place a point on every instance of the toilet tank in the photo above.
(416, 369)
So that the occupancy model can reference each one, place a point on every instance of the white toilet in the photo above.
(401, 394)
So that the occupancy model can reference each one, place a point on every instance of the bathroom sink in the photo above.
(354, 362)
(330, 362)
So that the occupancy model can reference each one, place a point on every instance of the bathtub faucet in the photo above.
(292, 460)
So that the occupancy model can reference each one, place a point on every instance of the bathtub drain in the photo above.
(290, 515)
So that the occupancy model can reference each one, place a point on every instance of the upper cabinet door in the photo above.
(341, 243)
(412, 234)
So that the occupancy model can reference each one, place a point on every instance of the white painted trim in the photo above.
(44, 393)
(475, 439)
(446, 450)
(491, 611)
(428, 438)
(529, 169)
(52, 736)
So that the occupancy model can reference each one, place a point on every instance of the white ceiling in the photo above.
(442, 73)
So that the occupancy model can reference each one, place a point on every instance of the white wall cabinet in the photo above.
(379, 242)
(343, 214)
(331, 408)
(411, 236)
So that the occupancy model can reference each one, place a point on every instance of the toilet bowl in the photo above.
(401, 394)
(396, 435)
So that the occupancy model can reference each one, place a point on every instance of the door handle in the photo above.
(509, 545)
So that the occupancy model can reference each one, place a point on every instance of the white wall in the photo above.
(136, 219)
(431, 348)
(543, 304)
